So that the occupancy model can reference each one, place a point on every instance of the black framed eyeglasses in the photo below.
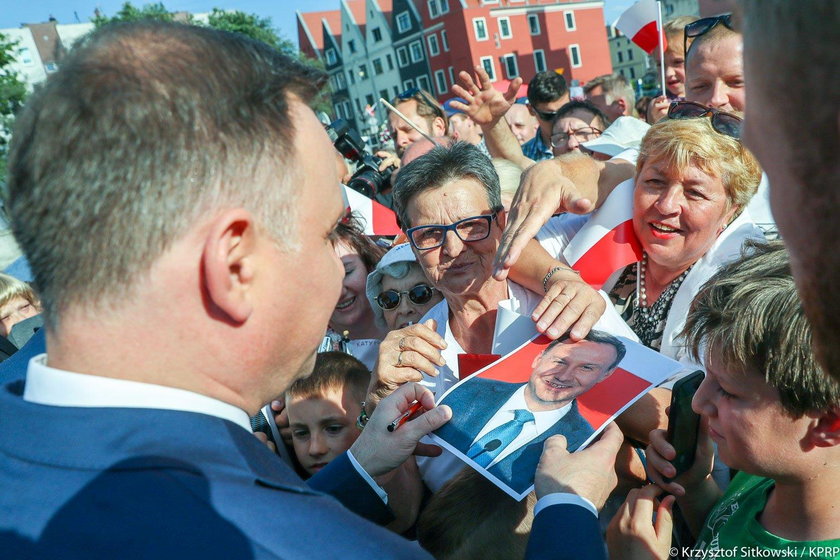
(703, 26)
(468, 230)
(582, 134)
(546, 116)
(723, 122)
(420, 294)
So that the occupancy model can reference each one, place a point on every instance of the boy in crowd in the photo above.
(323, 409)
(773, 414)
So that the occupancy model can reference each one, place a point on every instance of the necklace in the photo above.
(648, 318)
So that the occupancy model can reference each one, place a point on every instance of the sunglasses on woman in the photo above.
(724, 123)
(420, 294)
(703, 26)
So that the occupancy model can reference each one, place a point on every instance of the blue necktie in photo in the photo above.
(494, 442)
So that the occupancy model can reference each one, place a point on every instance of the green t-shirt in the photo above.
(732, 529)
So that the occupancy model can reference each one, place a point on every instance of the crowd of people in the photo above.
(198, 281)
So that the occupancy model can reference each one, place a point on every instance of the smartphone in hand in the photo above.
(683, 422)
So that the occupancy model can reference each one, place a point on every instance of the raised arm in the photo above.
(487, 106)
(573, 183)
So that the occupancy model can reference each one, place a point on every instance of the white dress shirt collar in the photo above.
(54, 387)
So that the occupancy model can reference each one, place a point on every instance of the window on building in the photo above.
(377, 34)
(434, 49)
(504, 28)
(339, 112)
(539, 61)
(440, 80)
(451, 71)
(570, 20)
(433, 8)
(331, 56)
(620, 57)
(351, 77)
(416, 51)
(444, 40)
(629, 54)
(369, 99)
(407, 85)
(423, 83)
(348, 109)
(574, 55)
(363, 72)
(342, 83)
(487, 62)
(402, 56)
(403, 22)
(377, 66)
(444, 6)
(351, 44)
(390, 61)
(24, 55)
(397, 91)
(480, 27)
(358, 105)
(632, 73)
(511, 68)
(534, 24)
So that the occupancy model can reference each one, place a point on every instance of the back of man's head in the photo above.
(546, 87)
(470, 517)
(614, 87)
(144, 129)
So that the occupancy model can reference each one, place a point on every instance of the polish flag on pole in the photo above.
(378, 219)
(607, 242)
(639, 23)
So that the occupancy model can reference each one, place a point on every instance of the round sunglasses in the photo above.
(420, 294)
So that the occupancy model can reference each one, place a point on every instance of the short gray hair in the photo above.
(440, 166)
(146, 128)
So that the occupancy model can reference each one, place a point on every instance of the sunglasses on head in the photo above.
(703, 26)
(724, 123)
(418, 295)
(545, 115)
(420, 96)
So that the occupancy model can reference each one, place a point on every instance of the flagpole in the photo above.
(661, 33)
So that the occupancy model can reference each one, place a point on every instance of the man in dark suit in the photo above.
(165, 185)
(503, 426)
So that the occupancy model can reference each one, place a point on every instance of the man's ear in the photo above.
(438, 127)
(537, 359)
(826, 432)
(228, 264)
(501, 218)
(622, 104)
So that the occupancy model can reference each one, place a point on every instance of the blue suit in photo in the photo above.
(477, 401)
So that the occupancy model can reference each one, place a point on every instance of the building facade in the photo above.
(430, 41)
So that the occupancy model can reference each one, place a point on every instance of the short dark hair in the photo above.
(546, 87)
(333, 370)
(145, 128)
(440, 166)
(581, 105)
(750, 313)
(599, 337)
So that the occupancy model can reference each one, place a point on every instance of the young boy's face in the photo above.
(16, 310)
(322, 427)
(752, 430)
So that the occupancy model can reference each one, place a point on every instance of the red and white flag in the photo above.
(378, 219)
(607, 242)
(639, 23)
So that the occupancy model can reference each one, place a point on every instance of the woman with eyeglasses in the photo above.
(398, 292)
(448, 202)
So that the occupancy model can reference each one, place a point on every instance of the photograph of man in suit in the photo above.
(502, 426)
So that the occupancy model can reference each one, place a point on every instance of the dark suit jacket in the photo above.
(475, 403)
(103, 483)
(143, 483)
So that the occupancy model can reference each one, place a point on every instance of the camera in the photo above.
(367, 179)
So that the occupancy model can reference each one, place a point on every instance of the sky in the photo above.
(281, 12)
